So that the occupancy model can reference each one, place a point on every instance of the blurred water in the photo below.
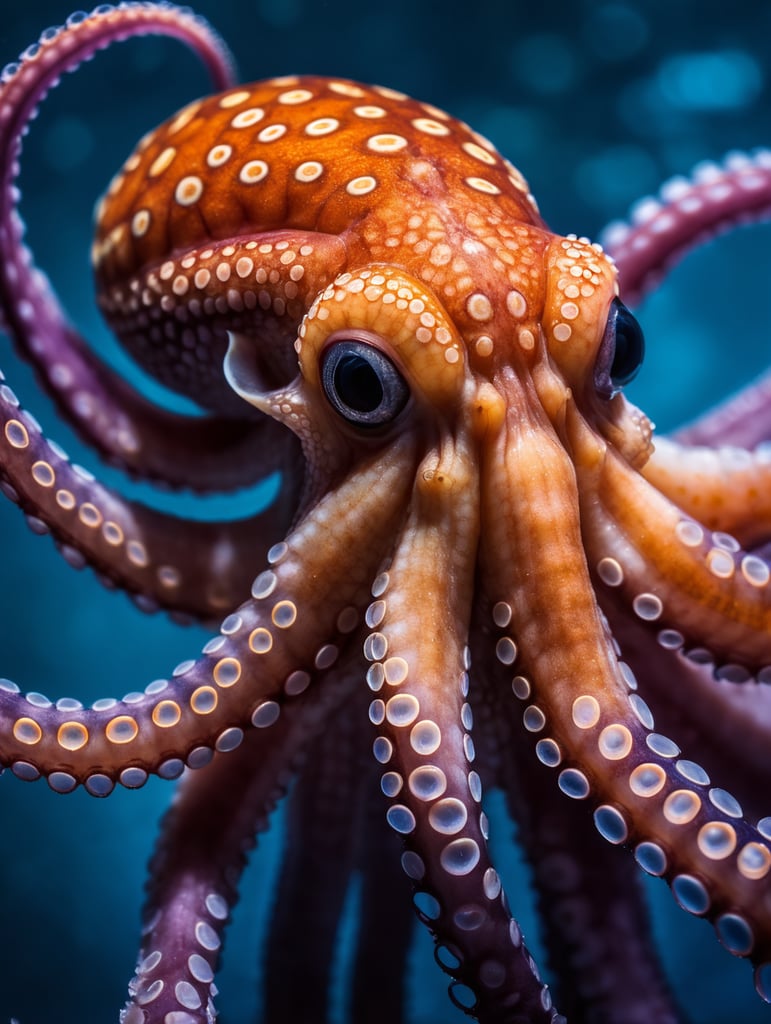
(597, 103)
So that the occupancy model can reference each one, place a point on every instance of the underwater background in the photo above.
(597, 103)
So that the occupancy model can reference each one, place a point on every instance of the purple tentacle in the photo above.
(687, 213)
(202, 569)
(195, 870)
(335, 796)
(317, 866)
(706, 713)
(182, 451)
(743, 420)
(595, 922)
(596, 925)
(386, 922)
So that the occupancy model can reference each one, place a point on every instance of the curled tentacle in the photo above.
(201, 453)
(663, 230)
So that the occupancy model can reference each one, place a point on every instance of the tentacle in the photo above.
(201, 453)
(195, 869)
(316, 868)
(202, 569)
(663, 230)
(335, 829)
(728, 489)
(386, 918)
(207, 703)
(595, 734)
(672, 571)
(707, 714)
(194, 872)
(596, 924)
(420, 678)
(687, 212)
(743, 420)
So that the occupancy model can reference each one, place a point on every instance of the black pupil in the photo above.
(357, 384)
(630, 347)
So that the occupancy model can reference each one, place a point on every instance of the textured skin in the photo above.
(505, 548)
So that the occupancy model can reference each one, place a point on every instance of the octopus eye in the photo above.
(621, 352)
(362, 383)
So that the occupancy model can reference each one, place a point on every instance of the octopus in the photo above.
(477, 571)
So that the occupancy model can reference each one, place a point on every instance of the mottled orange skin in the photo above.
(422, 215)
(440, 204)
(427, 174)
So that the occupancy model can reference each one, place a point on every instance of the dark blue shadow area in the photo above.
(597, 103)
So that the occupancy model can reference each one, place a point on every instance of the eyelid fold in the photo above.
(392, 311)
(581, 285)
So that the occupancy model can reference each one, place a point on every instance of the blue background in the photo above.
(597, 103)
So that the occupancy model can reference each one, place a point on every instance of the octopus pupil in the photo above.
(357, 384)
(362, 384)
(621, 351)
(629, 347)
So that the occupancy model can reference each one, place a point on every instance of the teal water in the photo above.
(597, 103)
